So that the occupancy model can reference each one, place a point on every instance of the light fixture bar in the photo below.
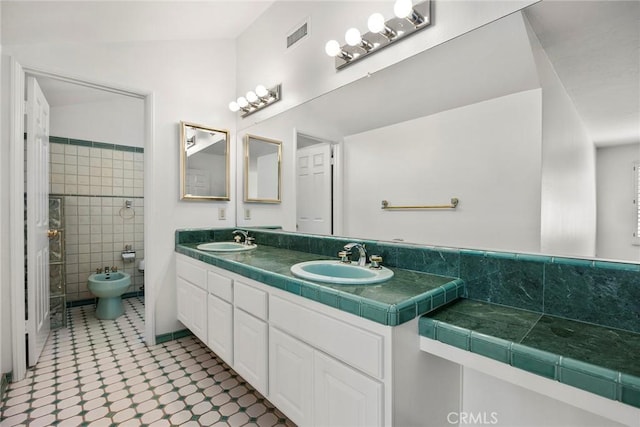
(256, 101)
(392, 31)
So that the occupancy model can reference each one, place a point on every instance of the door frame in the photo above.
(16, 200)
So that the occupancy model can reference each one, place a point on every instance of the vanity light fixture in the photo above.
(409, 19)
(255, 100)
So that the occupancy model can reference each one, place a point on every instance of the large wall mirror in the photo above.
(531, 121)
(204, 162)
(262, 169)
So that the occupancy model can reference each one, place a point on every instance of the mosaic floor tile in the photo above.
(100, 373)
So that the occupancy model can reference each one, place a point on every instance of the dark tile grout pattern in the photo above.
(101, 373)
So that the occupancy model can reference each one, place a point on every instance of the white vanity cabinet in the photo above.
(319, 365)
(191, 285)
(250, 334)
(291, 376)
(343, 396)
(220, 315)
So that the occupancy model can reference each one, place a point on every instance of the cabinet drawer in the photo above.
(250, 299)
(356, 347)
(192, 273)
(220, 286)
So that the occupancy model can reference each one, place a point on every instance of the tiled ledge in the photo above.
(593, 358)
(406, 296)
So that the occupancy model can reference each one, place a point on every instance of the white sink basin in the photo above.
(225, 247)
(331, 271)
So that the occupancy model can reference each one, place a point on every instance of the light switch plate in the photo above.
(247, 214)
(222, 213)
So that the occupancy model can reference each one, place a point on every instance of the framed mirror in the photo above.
(262, 169)
(204, 162)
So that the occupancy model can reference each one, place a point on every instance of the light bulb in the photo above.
(332, 48)
(376, 23)
(233, 106)
(403, 8)
(353, 37)
(242, 102)
(261, 91)
(251, 96)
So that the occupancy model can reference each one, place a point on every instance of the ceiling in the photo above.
(595, 50)
(593, 45)
(39, 22)
(25, 22)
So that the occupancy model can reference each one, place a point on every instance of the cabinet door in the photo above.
(343, 396)
(291, 376)
(198, 309)
(220, 328)
(250, 351)
(183, 301)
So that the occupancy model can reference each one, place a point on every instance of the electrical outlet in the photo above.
(247, 214)
(222, 213)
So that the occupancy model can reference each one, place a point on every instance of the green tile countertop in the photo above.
(598, 359)
(404, 297)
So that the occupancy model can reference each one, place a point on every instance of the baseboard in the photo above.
(173, 336)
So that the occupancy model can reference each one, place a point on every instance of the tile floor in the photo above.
(100, 373)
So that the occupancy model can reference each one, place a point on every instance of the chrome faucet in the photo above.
(106, 270)
(362, 259)
(245, 234)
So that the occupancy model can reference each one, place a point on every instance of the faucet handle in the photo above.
(98, 270)
(344, 256)
(249, 240)
(375, 261)
(237, 238)
(114, 269)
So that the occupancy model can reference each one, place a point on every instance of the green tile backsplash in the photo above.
(503, 280)
(600, 292)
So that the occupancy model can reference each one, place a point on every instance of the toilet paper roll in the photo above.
(141, 265)
(128, 256)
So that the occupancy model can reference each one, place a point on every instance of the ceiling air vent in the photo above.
(298, 34)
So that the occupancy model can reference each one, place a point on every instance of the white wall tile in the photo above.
(70, 159)
(96, 233)
(56, 148)
(57, 158)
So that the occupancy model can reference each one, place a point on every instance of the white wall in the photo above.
(306, 72)
(120, 121)
(505, 404)
(617, 214)
(568, 215)
(181, 91)
(486, 154)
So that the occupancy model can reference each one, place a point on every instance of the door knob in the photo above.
(52, 234)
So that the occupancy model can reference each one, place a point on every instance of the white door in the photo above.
(37, 184)
(313, 198)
